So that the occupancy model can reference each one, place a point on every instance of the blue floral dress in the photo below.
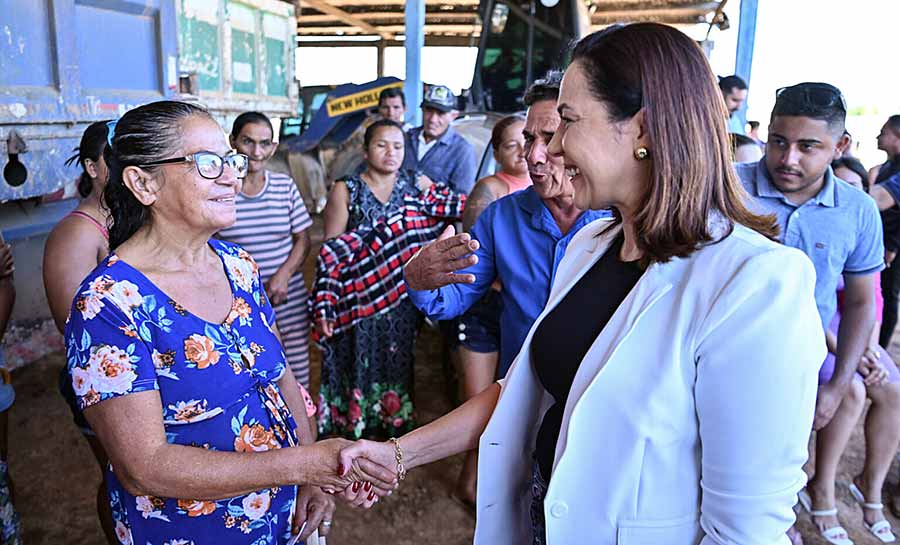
(216, 383)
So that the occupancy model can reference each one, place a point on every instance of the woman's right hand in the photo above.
(361, 453)
(381, 454)
(324, 327)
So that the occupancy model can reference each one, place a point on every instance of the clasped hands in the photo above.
(358, 473)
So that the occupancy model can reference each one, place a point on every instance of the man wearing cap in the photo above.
(437, 151)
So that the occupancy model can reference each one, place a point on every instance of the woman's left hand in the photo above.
(277, 288)
(873, 372)
(424, 183)
(360, 495)
(315, 508)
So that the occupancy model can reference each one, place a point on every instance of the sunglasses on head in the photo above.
(819, 95)
(210, 165)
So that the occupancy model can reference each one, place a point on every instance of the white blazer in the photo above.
(689, 416)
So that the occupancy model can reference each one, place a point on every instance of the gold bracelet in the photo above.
(398, 455)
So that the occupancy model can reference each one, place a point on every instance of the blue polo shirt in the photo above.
(839, 229)
(451, 160)
(522, 246)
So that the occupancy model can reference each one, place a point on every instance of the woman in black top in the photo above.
(679, 345)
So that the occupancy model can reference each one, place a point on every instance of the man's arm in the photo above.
(462, 178)
(857, 321)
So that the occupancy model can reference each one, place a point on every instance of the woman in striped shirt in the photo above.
(272, 224)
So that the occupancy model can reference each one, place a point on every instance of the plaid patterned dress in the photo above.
(367, 365)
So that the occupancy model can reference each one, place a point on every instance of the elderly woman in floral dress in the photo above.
(175, 358)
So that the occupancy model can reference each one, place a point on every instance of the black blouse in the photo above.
(568, 331)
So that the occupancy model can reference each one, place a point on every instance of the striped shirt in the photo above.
(265, 227)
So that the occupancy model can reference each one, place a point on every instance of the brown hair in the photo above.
(658, 69)
(500, 128)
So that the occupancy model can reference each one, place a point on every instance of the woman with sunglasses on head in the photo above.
(272, 224)
(74, 248)
(174, 354)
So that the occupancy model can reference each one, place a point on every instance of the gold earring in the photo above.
(641, 153)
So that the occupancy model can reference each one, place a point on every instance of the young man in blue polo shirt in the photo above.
(839, 228)
(435, 150)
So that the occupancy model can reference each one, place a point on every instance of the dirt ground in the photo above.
(56, 477)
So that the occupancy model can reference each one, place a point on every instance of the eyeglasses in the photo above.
(819, 95)
(210, 165)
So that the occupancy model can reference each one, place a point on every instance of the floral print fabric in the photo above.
(216, 383)
(10, 523)
(367, 370)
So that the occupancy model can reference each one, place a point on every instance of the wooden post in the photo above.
(381, 47)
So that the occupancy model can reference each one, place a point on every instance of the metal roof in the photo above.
(457, 22)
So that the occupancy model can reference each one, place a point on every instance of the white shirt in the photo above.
(689, 416)
(425, 146)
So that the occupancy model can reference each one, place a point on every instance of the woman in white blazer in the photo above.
(685, 416)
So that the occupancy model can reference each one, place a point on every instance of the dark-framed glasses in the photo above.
(819, 95)
(210, 165)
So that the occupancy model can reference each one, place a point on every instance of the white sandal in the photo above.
(881, 529)
(836, 535)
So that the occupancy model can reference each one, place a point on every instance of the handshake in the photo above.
(358, 473)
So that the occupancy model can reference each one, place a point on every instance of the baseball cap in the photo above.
(440, 98)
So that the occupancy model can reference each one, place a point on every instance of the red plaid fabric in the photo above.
(360, 273)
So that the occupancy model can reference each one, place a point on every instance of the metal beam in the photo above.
(653, 13)
(743, 60)
(352, 20)
(473, 3)
(336, 31)
(380, 63)
(430, 40)
(415, 42)
(391, 16)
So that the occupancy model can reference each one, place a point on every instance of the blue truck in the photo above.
(67, 63)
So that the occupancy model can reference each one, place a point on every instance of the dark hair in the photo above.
(392, 92)
(852, 163)
(373, 128)
(894, 122)
(738, 140)
(546, 88)
(93, 140)
(247, 118)
(500, 128)
(798, 101)
(629, 69)
(753, 125)
(147, 133)
(730, 83)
